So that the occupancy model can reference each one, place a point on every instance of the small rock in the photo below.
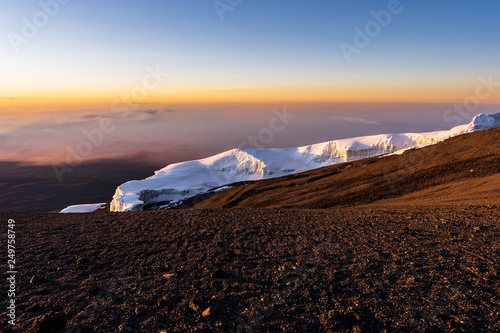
(194, 307)
(50, 322)
(218, 274)
(169, 276)
(139, 311)
(125, 328)
(97, 307)
(82, 261)
(206, 313)
(229, 254)
(162, 303)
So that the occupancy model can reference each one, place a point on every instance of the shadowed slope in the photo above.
(450, 172)
(37, 188)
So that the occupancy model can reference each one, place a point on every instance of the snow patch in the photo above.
(88, 208)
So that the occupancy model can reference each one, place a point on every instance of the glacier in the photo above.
(183, 180)
(88, 208)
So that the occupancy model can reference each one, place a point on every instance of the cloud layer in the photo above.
(174, 133)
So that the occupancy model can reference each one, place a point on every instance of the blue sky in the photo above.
(259, 43)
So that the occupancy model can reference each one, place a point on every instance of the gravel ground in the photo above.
(257, 270)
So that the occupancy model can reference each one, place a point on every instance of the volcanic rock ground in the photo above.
(259, 270)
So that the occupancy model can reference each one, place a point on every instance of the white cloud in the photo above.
(136, 115)
(355, 120)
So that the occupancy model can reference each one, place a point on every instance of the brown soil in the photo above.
(463, 170)
(258, 270)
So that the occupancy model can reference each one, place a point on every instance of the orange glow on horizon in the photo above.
(376, 94)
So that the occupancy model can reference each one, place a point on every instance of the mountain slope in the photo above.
(462, 169)
(183, 180)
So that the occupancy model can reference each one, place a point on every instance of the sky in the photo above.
(207, 74)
